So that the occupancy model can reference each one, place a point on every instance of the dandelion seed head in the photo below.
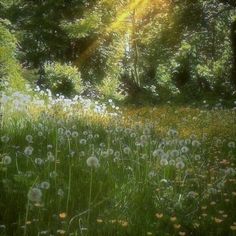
(35, 195)
(93, 162)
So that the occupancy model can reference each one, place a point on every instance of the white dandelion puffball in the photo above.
(93, 162)
(184, 149)
(34, 195)
(163, 162)
(231, 144)
(28, 151)
(180, 165)
(45, 185)
(29, 138)
(6, 160)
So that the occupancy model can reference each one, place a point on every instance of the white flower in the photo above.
(38, 161)
(60, 192)
(83, 141)
(127, 150)
(196, 143)
(197, 157)
(158, 153)
(172, 162)
(45, 185)
(53, 174)
(35, 195)
(28, 151)
(93, 162)
(163, 162)
(231, 144)
(180, 165)
(29, 138)
(172, 132)
(184, 149)
(110, 151)
(5, 139)
(174, 153)
(68, 133)
(51, 157)
(75, 134)
(6, 160)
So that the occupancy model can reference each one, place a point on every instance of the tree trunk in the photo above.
(233, 39)
(135, 48)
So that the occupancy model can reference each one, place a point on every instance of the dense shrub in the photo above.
(110, 88)
(63, 79)
(10, 70)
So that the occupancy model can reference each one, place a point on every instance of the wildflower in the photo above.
(172, 162)
(174, 153)
(99, 221)
(38, 161)
(53, 174)
(127, 150)
(197, 157)
(29, 138)
(34, 195)
(93, 162)
(28, 151)
(68, 133)
(163, 162)
(196, 143)
(6, 160)
(62, 215)
(233, 227)
(182, 233)
(177, 226)
(5, 139)
(159, 215)
(172, 132)
(110, 151)
(60, 131)
(61, 231)
(192, 194)
(45, 185)
(83, 141)
(180, 165)
(51, 157)
(158, 153)
(173, 218)
(184, 149)
(231, 144)
(218, 221)
(187, 141)
(75, 134)
(60, 192)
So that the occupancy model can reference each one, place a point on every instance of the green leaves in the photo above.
(83, 27)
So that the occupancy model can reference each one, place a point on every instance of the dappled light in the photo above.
(117, 118)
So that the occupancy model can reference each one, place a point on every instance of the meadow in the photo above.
(78, 167)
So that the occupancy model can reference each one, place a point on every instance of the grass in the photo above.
(161, 171)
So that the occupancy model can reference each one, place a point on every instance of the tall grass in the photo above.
(148, 171)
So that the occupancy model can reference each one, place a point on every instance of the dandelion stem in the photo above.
(69, 189)
(26, 217)
(90, 195)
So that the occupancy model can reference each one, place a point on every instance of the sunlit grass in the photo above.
(145, 171)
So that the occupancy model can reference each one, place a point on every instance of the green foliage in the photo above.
(109, 88)
(10, 70)
(63, 79)
(82, 28)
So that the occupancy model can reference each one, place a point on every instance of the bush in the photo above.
(10, 69)
(63, 79)
(110, 88)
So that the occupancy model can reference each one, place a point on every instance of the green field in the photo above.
(146, 171)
